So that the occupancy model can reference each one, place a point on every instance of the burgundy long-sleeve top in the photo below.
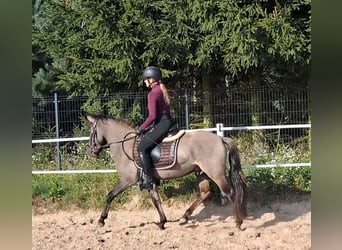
(156, 106)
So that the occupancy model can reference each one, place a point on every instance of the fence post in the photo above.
(219, 127)
(186, 108)
(58, 157)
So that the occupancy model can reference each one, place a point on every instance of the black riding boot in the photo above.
(148, 180)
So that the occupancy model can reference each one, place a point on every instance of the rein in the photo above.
(122, 144)
(120, 141)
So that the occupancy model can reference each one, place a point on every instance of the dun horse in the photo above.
(200, 152)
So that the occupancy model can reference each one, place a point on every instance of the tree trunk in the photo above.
(207, 99)
(256, 81)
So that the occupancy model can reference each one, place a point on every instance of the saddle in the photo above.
(163, 155)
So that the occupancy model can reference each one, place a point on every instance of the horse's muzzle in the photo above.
(91, 152)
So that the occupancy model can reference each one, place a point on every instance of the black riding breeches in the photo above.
(155, 135)
(150, 139)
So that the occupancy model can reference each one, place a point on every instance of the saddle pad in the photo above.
(168, 155)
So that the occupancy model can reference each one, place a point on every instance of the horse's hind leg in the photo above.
(227, 192)
(110, 196)
(204, 193)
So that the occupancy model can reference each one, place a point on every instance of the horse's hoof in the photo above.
(238, 226)
(183, 221)
(100, 223)
(161, 226)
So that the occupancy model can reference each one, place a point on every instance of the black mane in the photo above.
(108, 117)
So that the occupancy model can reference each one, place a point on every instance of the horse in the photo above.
(201, 152)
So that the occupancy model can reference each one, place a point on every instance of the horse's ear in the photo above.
(90, 118)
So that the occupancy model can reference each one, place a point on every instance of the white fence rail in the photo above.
(218, 129)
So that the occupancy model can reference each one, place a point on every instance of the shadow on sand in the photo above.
(282, 210)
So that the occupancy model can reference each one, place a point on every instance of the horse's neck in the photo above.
(116, 131)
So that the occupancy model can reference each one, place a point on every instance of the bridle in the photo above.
(95, 148)
(92, 146)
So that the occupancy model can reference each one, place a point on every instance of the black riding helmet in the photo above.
(153, 72)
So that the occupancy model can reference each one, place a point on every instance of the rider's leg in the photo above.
(144, 148)
(147, 169)
(148, 142)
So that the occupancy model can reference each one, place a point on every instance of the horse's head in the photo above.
(96, 139)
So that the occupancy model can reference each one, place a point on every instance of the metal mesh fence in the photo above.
(190, 109)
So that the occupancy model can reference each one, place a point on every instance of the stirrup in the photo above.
(146, 184)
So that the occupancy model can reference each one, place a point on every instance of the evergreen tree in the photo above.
(97, 47)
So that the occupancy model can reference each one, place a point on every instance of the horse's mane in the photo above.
(124, 122)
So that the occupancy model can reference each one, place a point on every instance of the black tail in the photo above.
(238, 181)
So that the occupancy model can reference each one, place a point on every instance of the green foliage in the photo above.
(267, 184)
(284, 153)
(83, 190)
(115, 108)
(93, 106)
(96, 47)
(43, 155)
(81, 131)
(179, 187)
(43, 81)
(135, 116)
(79, 37)
(51, 187)
(262, 148)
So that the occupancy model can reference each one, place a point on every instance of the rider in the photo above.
(157, 124)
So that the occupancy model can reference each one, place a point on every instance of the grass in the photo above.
(88, 191)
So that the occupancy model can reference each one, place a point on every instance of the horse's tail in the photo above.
(238, 180)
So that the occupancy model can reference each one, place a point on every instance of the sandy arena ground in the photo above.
(282, 225)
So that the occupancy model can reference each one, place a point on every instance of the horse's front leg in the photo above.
(122, 186)
(157, 203)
